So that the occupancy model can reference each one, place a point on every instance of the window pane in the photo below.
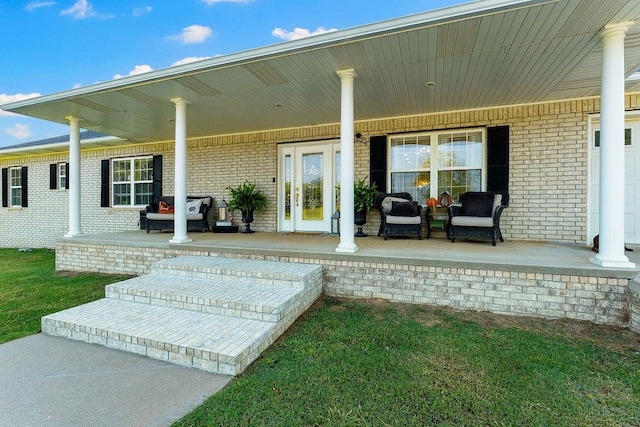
(16, 197)
(62, 175)
(410, 153)
(457, 182)
(16, 177)
(143, 193)
(415, 183)
(121, 170)
(121, 194)
(143, 169)
(460, 150)
(627, 137)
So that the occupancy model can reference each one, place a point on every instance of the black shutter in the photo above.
(157, 178)
(53, 176)
(25, 188)
(104, 184)
(498, 161)
(5, 187)
(66, 180)
(378, 162)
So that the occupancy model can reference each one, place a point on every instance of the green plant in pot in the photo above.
(246, 199)
(363, 195)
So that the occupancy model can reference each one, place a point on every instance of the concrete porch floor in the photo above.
(536, 257)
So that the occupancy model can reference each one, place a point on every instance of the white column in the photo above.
(75, 228)
(347, 227)
(180, 190)
(612, 179)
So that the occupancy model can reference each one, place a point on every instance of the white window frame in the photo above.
(15, 187)
(130, 181)
(63, 175)
(433, 169)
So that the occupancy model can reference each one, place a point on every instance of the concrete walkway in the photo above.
(48, 381)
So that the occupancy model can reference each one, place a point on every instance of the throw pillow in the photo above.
(477, 204)
(193, 206)
(164, 208)
(404, 209)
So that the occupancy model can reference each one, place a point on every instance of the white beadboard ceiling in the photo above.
(481, 54)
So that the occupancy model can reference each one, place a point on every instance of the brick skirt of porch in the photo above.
(516, 278)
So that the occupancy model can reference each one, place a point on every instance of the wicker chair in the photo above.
(476, 217)
(400, 216)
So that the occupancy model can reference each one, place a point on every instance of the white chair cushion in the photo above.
(472, 221)
(391, 219)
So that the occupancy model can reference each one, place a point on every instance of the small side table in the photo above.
(438, 220)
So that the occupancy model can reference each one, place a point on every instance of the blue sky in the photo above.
(55, 45)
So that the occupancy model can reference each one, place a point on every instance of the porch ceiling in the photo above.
(481, 54)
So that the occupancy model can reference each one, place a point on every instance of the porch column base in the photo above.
(612, 262)
(75, 234)
(347, 248)
(179, 240)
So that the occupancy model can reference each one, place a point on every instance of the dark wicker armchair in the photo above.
(400, 216)
(476, 217)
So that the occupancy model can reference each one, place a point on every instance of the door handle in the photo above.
(297, 195)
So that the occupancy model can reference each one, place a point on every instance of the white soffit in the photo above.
(480, 54)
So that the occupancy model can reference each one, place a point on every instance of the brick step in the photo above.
(215, 314)
(241, 270)
(211, 342)
(216, 296)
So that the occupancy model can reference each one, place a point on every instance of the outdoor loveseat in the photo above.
(160, 215)
(399, 215)
(476, 216)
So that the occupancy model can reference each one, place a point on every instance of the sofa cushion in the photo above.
(478, 204)
(404, 209)
(171, 217)
(164, 208)
(193, 206)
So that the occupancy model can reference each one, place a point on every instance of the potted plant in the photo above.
(246, 199)
(363, 194)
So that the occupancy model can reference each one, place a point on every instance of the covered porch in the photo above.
(515, 277)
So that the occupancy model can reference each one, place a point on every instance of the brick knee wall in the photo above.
(597, 299)
(634, 306)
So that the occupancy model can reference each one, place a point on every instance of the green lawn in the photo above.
(358, 363)
(30, 289)
(374, 363)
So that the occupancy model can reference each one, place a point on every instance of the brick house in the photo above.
(513, 96)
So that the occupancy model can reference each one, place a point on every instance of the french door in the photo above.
(307, 179)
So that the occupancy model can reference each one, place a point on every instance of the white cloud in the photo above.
(299, 33)
(210, 2)
(38, 4)
(139, 11)
(19, 131)
(6, 99)
(193, 34)
(189, 60)
(80, 10)
(138, 69)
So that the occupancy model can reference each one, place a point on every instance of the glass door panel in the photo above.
(312, 187)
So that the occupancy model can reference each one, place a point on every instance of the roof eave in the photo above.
(369, 30)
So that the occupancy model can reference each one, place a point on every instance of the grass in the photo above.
(362, 363)
(359, 363)
(30, 289)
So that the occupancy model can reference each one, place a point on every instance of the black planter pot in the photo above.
(247, 219)
(360, 219)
